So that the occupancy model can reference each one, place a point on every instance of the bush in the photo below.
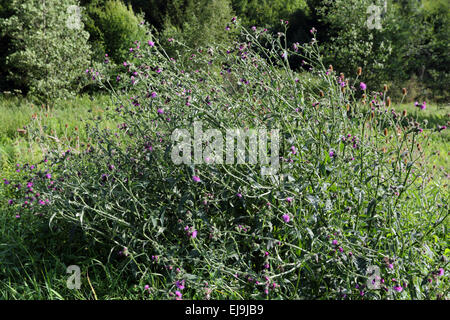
(115, 27)
(352, 200)
(197, 24)
(48, 55)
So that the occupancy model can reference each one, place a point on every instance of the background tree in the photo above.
(197, 23)
(46, 55)
(113, 27)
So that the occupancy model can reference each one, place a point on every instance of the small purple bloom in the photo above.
(180, 284)
(196, 179)
(362, 86)
(398, 288)
(178, 295)
(286, 218)
(151, 43)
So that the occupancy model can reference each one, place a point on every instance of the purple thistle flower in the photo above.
(180, 284)
(160, 111)
(178, 295)
(334, 242)
(196, 179)
(441, 272)
(194, 234)
(362, 86)
(286, 218)
(151, 43)
(398, 288)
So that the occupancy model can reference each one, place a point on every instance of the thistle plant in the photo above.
(350, 196)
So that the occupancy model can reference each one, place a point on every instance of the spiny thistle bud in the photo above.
(388, 102)
(385, 132)
(321, 93)
(372, 114)
(359, 71)
(348, 107)
(404, 91)
(404, 113)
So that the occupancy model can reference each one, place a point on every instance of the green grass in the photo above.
(60, 121)
(438, 149)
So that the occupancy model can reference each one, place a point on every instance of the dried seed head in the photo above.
(404, 91)
(385, 87)
(385, 132)
(404, 113)
(321, 93)
(388, 102)
(372, 114)
(359, 71)
(331, 68)
(348, 107)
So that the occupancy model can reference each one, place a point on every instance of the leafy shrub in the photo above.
(47, 56)
(353, 197)
(196, 24)
(115, 26)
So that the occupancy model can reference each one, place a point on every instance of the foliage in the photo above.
(353, 193)
(47, 56)
(114, 27)
(266, 13)
(196, 24)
